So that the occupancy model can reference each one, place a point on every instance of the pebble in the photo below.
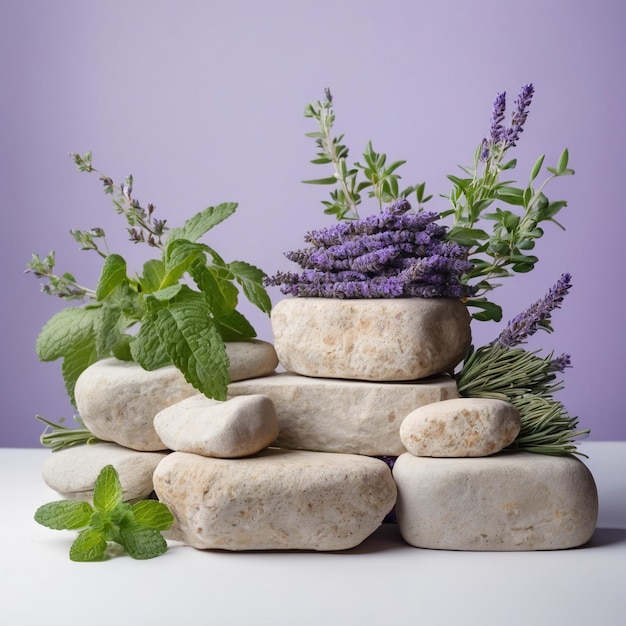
(461, 427)
(72, 472)
(118, 400)
(378, 340)
(345, 416)
(508, 501)
(275, 500)
(238, 427)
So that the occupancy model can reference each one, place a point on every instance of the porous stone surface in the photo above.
(461, 427)
(249, 359)
(379, 340)
(73, 472)
(118, 400)
(508, 501)
(238, 427)
(276, 500)
(345, 416)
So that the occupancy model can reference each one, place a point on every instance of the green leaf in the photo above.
(536, 168)
(563, 160)
(113, 274)
(179, 256)
(152, 514)
(488, 310)
(64, 515)
(233, 326)
(509, 165)
(189, 337)
(88, 546)
(108, 327)
(76, 360)
(511, 195)
(147, 347)
(141, 542)
(153, 275)
(251, 280)
(217, 286)
(63, 331)
(466, 236)
(331, 180)
(107, 492)
(202, 222)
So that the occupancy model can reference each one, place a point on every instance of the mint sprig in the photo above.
(137, 527)
(184, 300)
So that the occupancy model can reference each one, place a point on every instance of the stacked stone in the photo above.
(288, 460)
(458, 489)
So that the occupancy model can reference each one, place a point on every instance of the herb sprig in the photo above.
(185, 302)
(375, 174)
(136, 527)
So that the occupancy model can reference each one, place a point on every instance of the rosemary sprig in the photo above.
(59, 437)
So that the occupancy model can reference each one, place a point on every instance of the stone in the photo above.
(275, 500)
(506, 502)
(346, 416)
(378, 340)
(118, 400)
(238, 427)
(73, 472)
(461, 427)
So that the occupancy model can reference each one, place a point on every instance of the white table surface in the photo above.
(383, 581)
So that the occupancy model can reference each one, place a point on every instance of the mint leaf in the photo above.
(147, 347)
(216, 284)
(76, 360)
(153, 275)
(190, 339)
(233, 326)
(202, 222)
(63, 331)
(113, 274)
(251, 280)
(179, 256)
(141, 542)
(88, 546)
(107, 492)
(152, 514)
(64, 515)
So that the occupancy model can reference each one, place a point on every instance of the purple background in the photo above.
(203, 101)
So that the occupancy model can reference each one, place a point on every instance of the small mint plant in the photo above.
(136, 527)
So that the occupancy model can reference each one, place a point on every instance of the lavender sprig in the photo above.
(536, 316)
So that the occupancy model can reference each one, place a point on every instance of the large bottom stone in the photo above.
(508, 501)
(276, 500)
(352, 417)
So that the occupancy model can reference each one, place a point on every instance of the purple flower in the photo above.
(536, 316)
(560, 363)
(519, 116)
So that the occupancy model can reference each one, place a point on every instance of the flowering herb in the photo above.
(505, 371)
(183, 302)
(375, 174)
(504, 249)
(388, 255)
(137, 527)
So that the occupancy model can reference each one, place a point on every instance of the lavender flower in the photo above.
(560, 363)
(498, 135)
(535, 317)
(390, 255)
(519, 115)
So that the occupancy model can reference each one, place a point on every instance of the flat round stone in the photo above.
(508, 501)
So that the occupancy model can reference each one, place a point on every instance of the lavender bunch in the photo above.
(389, 255)
(527, 380)
(505, 247)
